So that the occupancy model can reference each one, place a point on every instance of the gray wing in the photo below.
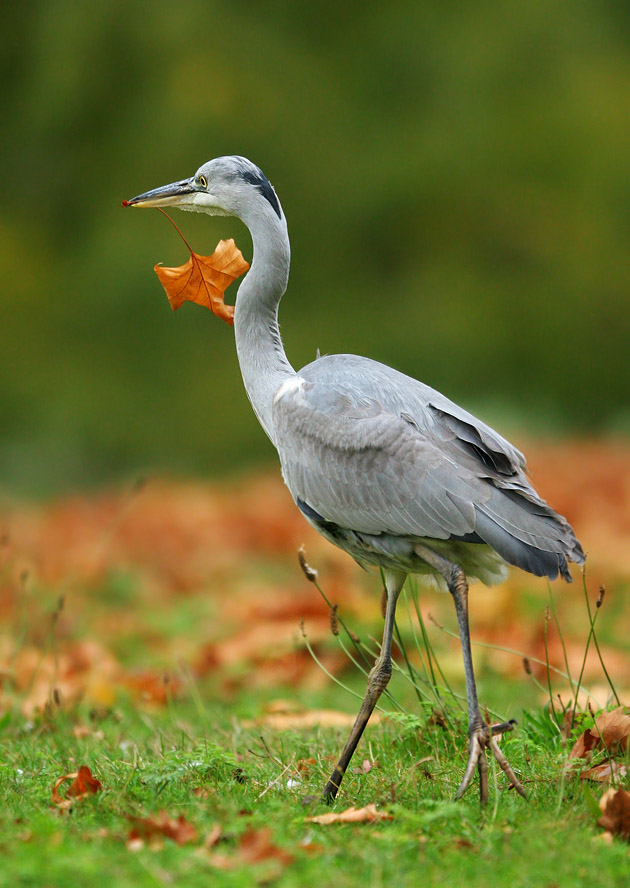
(374, 451)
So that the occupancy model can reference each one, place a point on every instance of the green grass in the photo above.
(201, 757)
(248, 778)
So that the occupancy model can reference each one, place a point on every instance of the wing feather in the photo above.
(376, 452)
(367, 469)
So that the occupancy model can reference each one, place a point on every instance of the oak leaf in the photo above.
(83, 784)
(204, 279)
(369, 814)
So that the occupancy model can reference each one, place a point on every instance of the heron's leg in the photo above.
(481, 736)
(377, 682)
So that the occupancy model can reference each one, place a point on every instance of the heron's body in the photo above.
(383, 466)
(378, 461)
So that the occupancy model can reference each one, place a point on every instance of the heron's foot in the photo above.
(481, 738)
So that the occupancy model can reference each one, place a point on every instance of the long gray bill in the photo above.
(165, 196)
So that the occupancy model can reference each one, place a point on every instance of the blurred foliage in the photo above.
(456, 181)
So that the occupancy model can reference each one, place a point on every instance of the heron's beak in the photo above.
(166, 196)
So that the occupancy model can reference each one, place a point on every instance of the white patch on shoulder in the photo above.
(290, 385)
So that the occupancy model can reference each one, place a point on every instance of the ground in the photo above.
(163, 635)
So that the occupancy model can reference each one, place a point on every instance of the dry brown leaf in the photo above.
(366, 766)
(610, 728)
(605, 772)
(255, 846)
(615, 808)
(83, 784)
(213, 836)
(606, 837)
(584, 744)
(369, 814)
(204, 279)
(161, 825)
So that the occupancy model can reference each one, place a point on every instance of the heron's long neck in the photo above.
(261, 356)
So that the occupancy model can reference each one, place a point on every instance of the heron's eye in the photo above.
(203, 181)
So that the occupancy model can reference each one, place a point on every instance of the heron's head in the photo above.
(225, 186)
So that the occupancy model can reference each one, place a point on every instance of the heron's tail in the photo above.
(527, 533)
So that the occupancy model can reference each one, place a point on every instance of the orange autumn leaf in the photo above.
(204, 279)
(369, 814)
(83, 784)
(162, 826)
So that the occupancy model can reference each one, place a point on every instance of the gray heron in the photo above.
(382, 465)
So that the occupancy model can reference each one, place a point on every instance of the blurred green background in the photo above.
(456, 179)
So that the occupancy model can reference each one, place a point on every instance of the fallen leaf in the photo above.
(213, 836)
(369, 814)
(83, 784)
(204, 279)
(615, 808)
(605, 772)
(149, 828)
(152, 687)
(606, 837)
(366, 767)
(323, 718)
(307, 844)
(255, 846)
(612, 729)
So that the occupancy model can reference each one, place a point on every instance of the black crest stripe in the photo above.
(260, 181)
